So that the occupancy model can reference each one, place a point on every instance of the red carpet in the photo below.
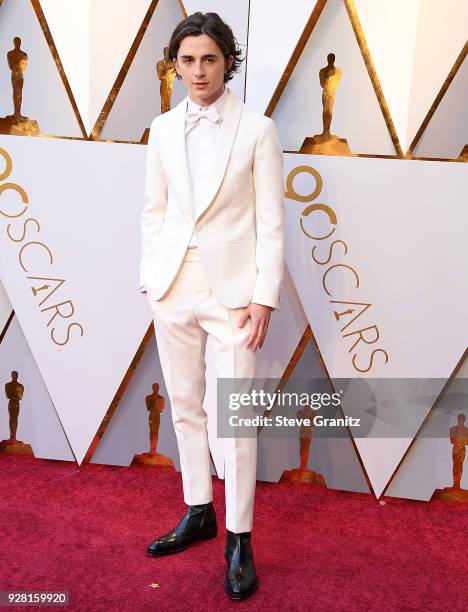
(84, 530)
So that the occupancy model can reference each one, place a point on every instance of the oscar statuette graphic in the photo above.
(155, 406)
(327, 143)
(303, 473)
(459, 440)
(14, 392)
(464, 154)
(17, 124)
(166, 75)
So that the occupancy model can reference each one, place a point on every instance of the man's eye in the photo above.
(186, 60)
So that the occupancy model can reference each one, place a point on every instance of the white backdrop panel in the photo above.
(447, 131)
(86, 198)
(272, 39)
(416, 290)
(404, 226)
(390, 28)
(441, 35)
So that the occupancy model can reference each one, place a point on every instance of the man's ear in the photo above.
(174, 61)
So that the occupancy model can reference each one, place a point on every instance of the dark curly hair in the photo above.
(212, 25)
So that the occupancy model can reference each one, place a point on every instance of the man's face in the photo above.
(201, 64)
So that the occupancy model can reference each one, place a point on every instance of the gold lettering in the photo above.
(322, 263)
(68, 333)
(371, 360)
(57, 310)
(324, 208)
(24, 229)
(46, 285)
(8, 164)
(361, 337)
(22, 193)
(339, 314)
(20, 256)
(35, 290)
(365, 304)
(339, 266)
(291, 192)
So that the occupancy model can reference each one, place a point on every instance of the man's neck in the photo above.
(207, 101)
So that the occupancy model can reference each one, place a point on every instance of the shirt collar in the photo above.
(219, 103)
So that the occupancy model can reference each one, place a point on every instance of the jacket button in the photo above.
(198, 227)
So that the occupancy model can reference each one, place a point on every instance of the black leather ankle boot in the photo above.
(198, 523)
(241, 578)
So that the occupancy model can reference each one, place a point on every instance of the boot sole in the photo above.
(237, 596)
(208, 535)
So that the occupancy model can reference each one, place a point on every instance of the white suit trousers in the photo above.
(183, 318)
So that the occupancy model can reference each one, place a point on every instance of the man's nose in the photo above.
(199, 70)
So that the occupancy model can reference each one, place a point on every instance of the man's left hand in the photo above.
(260, 315)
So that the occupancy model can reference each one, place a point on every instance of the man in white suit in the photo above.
(212, 263)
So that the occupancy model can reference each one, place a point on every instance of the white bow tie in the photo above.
(192, 117)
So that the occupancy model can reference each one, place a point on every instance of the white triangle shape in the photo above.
(264, 70)
(390, 28)
(444, 22)
(93, 40)
(413, 46)
(447, 132)
(88, 222)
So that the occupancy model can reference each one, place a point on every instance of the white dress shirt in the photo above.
(201, 138)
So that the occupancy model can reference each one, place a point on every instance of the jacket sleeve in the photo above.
(155, 204)
(269, 213)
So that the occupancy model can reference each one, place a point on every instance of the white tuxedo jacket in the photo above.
(240, 228)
